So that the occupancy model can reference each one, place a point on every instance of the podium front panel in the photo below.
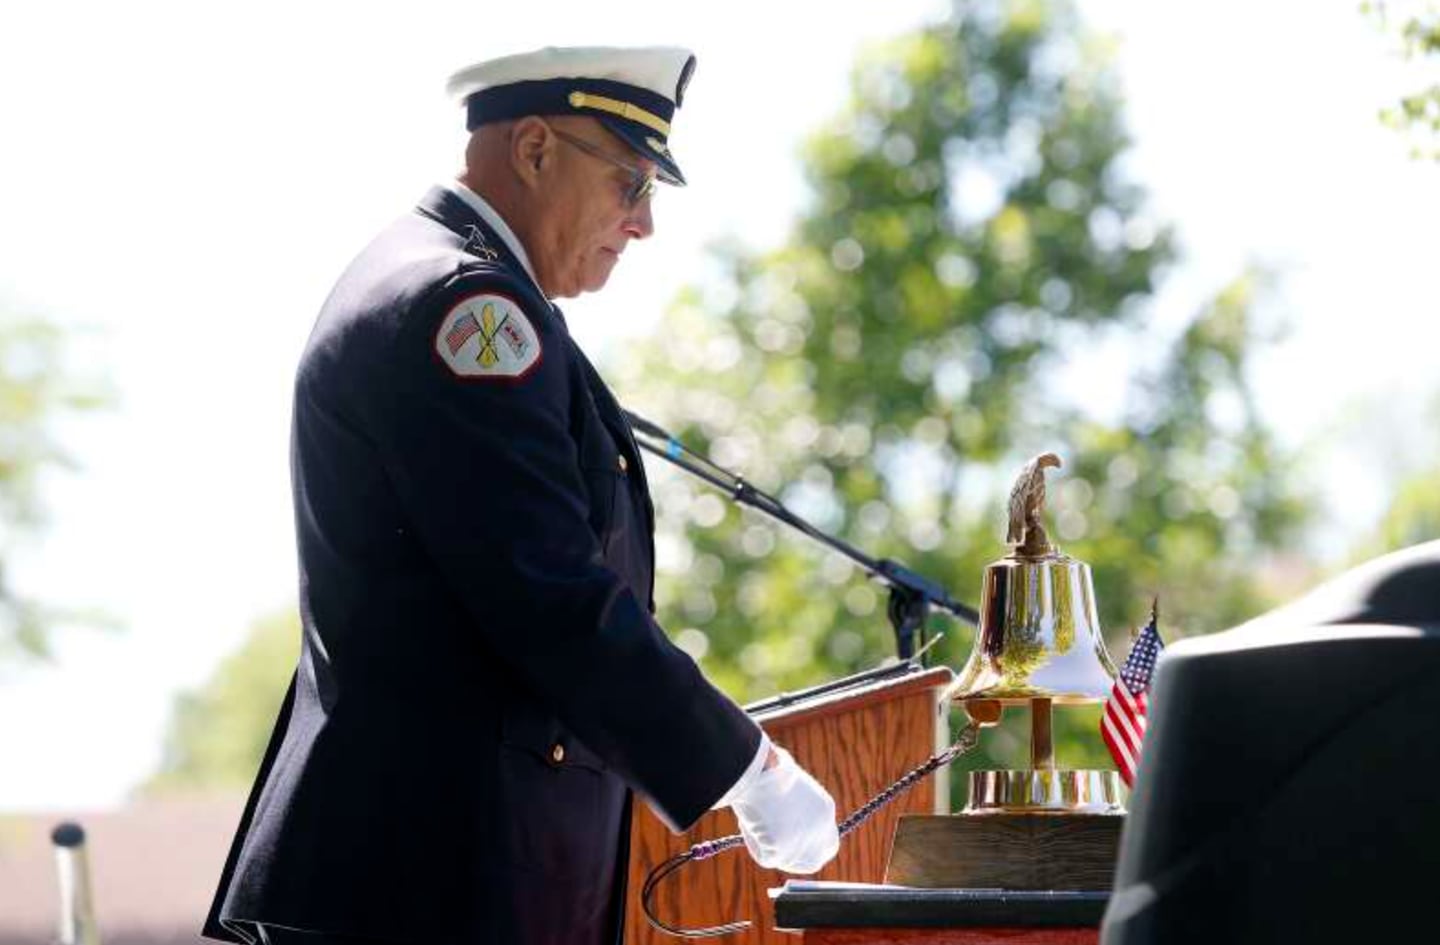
(855, 742)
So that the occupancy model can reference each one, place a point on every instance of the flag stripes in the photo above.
(1122, 727)
(462, 331)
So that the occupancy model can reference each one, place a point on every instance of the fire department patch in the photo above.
(487, 336)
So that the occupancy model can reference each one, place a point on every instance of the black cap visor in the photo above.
(647, 144)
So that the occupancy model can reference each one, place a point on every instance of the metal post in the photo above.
(1042, 746)
(77, 907)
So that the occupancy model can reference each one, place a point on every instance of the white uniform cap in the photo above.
(633, 91)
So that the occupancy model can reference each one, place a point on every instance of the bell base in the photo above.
(1000, 850)
(1044, 791)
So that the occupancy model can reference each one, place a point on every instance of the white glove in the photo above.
(787, 818)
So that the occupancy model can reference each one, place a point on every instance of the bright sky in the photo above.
(188, 183)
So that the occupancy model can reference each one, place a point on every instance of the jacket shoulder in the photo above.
(411, 275)
(483, 324)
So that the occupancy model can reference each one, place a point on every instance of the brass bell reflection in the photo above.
(1038, 644)
(1039, 636)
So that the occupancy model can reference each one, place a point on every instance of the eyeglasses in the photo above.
(641, 186)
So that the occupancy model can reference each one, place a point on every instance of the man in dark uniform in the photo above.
(481, 679)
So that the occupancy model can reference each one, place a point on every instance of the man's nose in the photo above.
(640, 223)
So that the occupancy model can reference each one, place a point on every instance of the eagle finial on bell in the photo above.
(1027, 501)
(1039, 636)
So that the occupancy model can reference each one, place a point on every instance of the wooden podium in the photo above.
(856, 741)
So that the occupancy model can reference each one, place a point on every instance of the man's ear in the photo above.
(532, 149)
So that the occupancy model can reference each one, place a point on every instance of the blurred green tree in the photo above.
(1417, 115)
(36, 391)
(218, 732)
(971, 246)
(1413, 516)
(1414, 513)
(971, 250)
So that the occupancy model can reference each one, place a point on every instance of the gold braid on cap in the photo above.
(624, 109)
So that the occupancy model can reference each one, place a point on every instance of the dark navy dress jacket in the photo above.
(480, 677)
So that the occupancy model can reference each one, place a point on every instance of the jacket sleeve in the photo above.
(486, 469)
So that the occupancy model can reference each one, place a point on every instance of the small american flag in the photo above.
(1123, 724)
(462, 331)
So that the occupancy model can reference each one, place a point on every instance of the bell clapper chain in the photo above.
(969, 738)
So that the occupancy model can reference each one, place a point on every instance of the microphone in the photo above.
(77, 906)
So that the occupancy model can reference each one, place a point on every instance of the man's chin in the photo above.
(590, 278)
(595, 278)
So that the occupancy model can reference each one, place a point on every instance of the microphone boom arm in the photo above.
(911, 594)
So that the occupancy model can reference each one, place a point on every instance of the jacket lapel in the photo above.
(613, 417)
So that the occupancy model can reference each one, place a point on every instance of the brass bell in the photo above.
(1039, 641)
(1038, 645)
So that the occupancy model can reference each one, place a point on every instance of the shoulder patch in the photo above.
(487, 335)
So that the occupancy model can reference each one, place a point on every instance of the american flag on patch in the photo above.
(462, 331)
(1123, 724)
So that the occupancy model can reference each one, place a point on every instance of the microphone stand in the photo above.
(911, 594)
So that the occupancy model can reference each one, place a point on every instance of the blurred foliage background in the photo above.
(971, 247)
(218, 733)
(39, 390)
(972, 238)
(1416, 115)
